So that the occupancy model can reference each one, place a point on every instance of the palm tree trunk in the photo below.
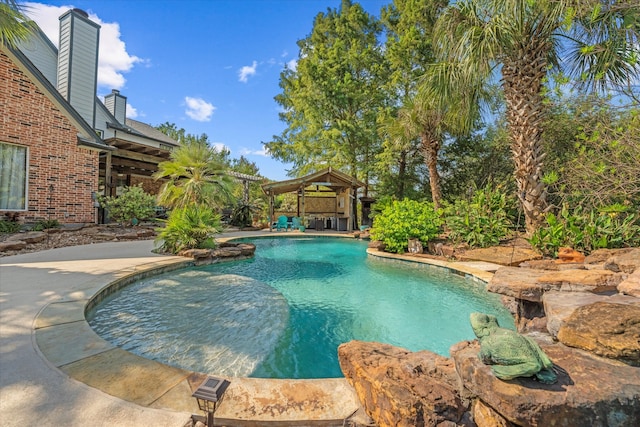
(522, 78)
(430, 147)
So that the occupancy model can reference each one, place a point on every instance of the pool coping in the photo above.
(63, 338)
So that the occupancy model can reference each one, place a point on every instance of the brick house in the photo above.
(49, 156)
(59, 144)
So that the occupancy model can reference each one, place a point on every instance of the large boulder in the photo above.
(606, 329)
(591, 391)
(581, 280)
(521, 283)
(29, 237)
(12, 245)
(531, 284)
(503, 255)
(402, 388)
(626, 262)
(559, 306)
(599, 256)
(631, 286)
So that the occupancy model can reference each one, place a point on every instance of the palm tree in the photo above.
(14, 24)
(594, 40)
(195, 176)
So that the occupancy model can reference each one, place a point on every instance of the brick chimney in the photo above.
(117, 105)
(78, 62)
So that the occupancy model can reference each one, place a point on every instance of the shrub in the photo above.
(9, 226)
(190, 227)
(243, 213)
(586, 231)
(46, 224)
(131, 206)
(400, 221)
(481, 222)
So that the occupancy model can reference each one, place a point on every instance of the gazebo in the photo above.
(326, 199)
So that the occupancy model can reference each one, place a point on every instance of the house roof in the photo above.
(150, 132)
(86, 135)
(328, 177)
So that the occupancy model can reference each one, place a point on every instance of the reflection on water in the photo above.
(284, 313)
(193, 320)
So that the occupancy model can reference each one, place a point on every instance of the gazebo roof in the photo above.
(328, 177)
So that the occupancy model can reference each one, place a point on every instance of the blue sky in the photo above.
(208, 66)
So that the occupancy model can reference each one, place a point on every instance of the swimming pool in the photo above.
(284, 313)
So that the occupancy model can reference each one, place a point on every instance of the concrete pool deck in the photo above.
(54, 370)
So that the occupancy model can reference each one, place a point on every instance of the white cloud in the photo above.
(113, 58)
(198, 109)
(247, 71)
(262, 152)
(292, 65)
(132, 113)
(220, 147)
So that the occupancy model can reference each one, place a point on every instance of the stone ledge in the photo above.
(589, 389)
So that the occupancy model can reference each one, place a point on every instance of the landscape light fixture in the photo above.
(209, 394)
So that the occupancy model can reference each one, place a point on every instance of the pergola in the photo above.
(328, 180)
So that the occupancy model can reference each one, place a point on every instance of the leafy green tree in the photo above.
(399, 166)
(330, 100)
(15, 26)
(409, 25)
(596, 40)
(194, 175)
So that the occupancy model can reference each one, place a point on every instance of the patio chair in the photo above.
(282, 223)
(295, 223)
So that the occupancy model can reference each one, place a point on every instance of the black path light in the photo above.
(209, 394)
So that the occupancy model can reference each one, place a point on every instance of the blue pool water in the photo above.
(284, 313)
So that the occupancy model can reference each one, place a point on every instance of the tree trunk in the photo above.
(402, 172)
(522, 78)
(430, 147)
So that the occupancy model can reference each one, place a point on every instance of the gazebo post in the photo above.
(271, 210)
(303, 206)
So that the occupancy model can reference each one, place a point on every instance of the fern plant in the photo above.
(190, 227)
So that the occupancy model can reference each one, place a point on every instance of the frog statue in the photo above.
(509, 353)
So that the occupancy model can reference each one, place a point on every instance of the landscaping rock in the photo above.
(606, 329)
(377, 244)
(485, 416)
(559, 306)
(509, 256)
(228, 252)
(247, 249)
(626, 262)
(581, 280)
(402, 388)
(569, 255)
(521, 283)
(599, 256)
(591, 391)
(551, 265)
(197, 254)
(29, 237)
(631, 286)
(12, 245)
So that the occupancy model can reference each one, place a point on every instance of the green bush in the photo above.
(132, 206)
(400, 221)
(46, 224)
(189, 228)
(481, 222)
(243, 213)
(9, 226)
(586, 231)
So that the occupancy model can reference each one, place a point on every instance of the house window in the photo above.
(13, 177)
